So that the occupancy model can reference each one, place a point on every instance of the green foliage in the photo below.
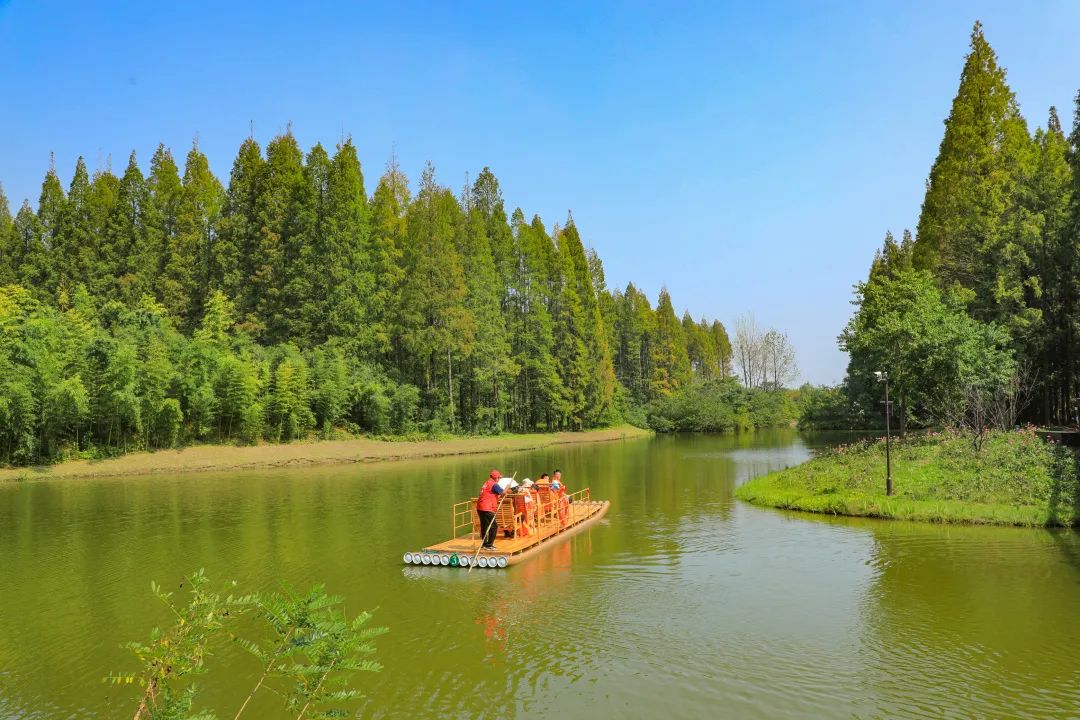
(718, 406)
(162, 308)
(931, 348)
(290, 398)
(191, 269)
(538, 390)
(997, 236)
(313, 652)
(308, 656)
(404, 402)
(670, 362)
(974, 229)
(1014, 479)
(338, 261)
(436, 327)
(830, 408)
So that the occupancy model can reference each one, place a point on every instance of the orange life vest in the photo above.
(488, 500)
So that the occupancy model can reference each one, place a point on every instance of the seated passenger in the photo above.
(562, 500)
(528, 506)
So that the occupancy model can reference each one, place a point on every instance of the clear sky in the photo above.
(749, 156)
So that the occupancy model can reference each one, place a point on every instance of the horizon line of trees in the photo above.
(147, 310)
(976, 315)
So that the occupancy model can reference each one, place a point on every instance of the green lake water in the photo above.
(681, 603)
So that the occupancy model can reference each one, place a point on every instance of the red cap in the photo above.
(495, 475)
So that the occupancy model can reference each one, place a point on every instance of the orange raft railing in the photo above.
(517, 518)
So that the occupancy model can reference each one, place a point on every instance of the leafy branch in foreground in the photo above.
(314, 651)
(308, 659)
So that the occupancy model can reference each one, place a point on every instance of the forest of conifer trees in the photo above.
(976, 316)
(146, 310)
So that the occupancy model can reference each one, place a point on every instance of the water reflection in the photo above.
(680, 602)
(978, 616)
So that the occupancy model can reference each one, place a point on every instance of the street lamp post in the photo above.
(883, 377)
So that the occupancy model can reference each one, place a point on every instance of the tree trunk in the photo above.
(450, 385)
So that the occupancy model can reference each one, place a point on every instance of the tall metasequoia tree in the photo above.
(671, 365)
(307, 277)
(126, 239)
(32, 263)
(160, 262)
(1069, 300)
(483, 390)
(438, 329)
(284, 212)
(8, 258)
(347, 265)
(201, 201)
(538, 390)
(50, 211)
(974, 231)
(388, 238)
(722, 345)
(163, 260)
(73, 234)
(234, 254)
(588, 328)
(100, 208)
(1054, 261)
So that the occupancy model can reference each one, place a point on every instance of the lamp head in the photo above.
(881, 376)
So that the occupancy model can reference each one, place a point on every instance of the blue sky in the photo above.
(750, 158)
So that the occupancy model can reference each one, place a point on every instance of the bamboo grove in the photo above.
(146, 310)
(984, 300)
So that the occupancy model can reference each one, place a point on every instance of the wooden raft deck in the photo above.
(550, 524)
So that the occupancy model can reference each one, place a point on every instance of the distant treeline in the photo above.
(976, 316)
(143, 311)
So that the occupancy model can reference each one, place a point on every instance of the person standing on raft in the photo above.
(486, 505)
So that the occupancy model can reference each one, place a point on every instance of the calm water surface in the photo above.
(683, 603)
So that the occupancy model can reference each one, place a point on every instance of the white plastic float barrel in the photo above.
(426, 559)
(408, 558)
(492, 562)
(482, 562)
(463, 560)
(444, 559)
(502, 562)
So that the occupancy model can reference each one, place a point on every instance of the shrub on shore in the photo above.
(720, 405)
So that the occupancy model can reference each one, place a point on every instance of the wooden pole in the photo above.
(888, 441)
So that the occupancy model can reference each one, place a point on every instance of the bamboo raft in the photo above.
(524, 529)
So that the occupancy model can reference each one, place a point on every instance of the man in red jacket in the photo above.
(486, 505)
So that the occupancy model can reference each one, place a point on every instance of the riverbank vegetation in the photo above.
(142, 311)
(721, 405)
(211, 457)
(1008, 478)
(980, 307)
(974, 320)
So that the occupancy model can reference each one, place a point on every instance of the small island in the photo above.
(1001, 478)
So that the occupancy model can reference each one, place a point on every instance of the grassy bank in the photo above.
(227, 457)
(1014, 479)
